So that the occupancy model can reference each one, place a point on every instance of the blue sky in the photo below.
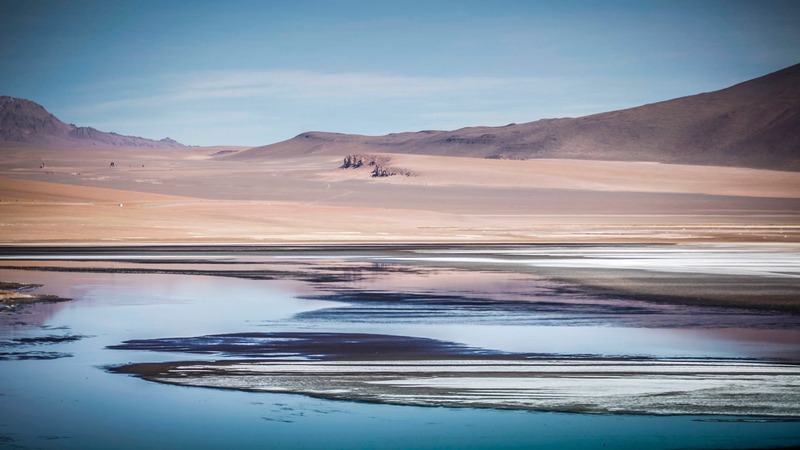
(257, 72)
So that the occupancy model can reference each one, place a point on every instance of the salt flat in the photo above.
(587, 386)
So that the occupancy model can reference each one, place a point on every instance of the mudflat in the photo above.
(568, 385)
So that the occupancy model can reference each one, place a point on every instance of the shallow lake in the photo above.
(55, 391)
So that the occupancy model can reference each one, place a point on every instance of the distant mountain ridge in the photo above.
(26, 122)
(752, 124)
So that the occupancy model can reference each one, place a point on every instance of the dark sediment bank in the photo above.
(308, 345)
(15, 295)
(426, 372)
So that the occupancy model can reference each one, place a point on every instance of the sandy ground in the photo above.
(196, 196)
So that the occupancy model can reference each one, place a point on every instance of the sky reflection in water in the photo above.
(72, 402)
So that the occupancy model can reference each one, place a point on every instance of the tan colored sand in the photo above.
(194, 196)
(612, 176)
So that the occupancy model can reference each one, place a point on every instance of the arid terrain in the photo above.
(189, 195)
(751, 124)
(713, 166)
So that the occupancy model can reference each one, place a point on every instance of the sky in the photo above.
(257, 72)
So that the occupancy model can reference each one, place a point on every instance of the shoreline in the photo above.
(578, 234)
(335, 245)
(680, 286)
(418, 397)
(15, 295)
(404, 370)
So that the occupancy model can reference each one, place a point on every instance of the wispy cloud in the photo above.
(258, 106)
(332, 88)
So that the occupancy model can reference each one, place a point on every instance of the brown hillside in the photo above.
(752, 124)
(28, 123)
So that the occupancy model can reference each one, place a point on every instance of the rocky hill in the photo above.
(752, 124)
(25, 122)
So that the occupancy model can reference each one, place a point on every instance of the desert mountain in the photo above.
(752, 124)
(26, 122)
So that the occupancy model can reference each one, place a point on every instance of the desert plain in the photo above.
(208, 195)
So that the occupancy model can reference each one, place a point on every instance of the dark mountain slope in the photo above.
(752, 124)
(25, 122)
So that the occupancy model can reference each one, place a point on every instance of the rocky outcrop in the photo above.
(384, 171)
(356, 161)
(379, 165)
(26, 121)
(170, 141)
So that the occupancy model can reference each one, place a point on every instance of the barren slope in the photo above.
(26, 122)
(752, 124)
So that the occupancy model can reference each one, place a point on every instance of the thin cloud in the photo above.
(259, 106)
(331, 88)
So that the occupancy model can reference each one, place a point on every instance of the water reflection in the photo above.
(475, 305)
(550, 309)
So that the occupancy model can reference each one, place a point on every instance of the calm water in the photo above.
(70, 401)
